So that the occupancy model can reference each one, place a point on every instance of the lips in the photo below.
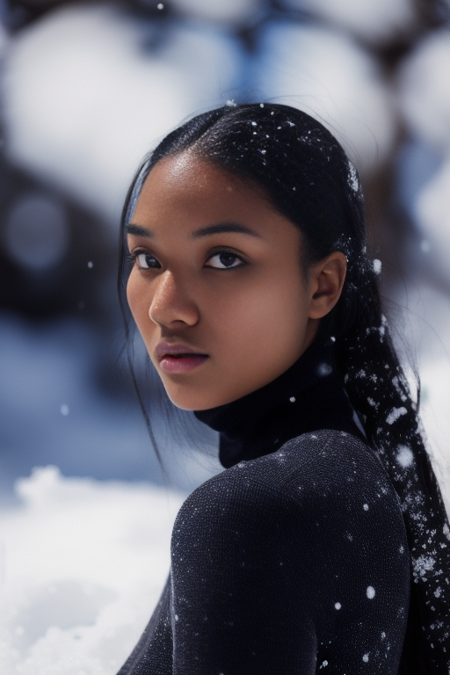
(178, 358)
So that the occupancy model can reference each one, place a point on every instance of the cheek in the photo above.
(267, 326)
(258, 335)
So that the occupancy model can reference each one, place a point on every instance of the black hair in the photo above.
(305, 174)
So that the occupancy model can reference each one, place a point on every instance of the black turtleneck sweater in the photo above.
(292, 561)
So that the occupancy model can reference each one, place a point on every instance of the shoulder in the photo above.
(325, 471)
(293, 548)
(322, 505)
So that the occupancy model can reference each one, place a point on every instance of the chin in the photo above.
(191, 400)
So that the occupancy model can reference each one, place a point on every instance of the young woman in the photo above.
(324, 545)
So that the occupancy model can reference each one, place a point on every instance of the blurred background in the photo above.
(86, 89)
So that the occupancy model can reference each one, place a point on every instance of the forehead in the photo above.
(184, 195)
(188, 183)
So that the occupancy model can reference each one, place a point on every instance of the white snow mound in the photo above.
(83, 564)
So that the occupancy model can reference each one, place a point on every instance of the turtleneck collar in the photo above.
(307, 397)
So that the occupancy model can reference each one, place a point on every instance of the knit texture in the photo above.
(295, 558)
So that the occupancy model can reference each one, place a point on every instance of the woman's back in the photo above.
(292, 561)
(286, 564)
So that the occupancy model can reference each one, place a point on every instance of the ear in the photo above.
(326, 281)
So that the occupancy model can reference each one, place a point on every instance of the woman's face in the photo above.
(216, 289)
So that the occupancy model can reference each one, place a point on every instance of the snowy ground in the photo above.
(83, 563)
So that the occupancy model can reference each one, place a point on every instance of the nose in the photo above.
(170, 305)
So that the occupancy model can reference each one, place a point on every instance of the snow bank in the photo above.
(83, 564)
(329, 76)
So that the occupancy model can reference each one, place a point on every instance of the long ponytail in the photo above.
(380, 394)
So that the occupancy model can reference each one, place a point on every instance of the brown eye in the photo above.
(146, 261)
(224, 260)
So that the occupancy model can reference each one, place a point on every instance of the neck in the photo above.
(307, 397)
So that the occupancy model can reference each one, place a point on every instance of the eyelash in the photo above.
(133, 258)
(226, 252)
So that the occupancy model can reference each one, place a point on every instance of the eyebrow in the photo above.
(207, 231)
(138, 231)
(222, 228)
